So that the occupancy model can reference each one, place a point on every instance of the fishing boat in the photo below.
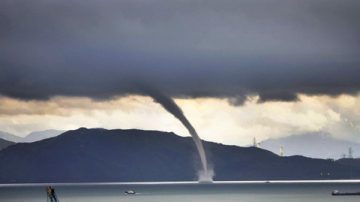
(130, 192)
(338, 193)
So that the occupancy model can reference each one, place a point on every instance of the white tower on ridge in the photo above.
(350, 153)
(281, 151)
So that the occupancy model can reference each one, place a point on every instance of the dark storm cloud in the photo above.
(100, 49)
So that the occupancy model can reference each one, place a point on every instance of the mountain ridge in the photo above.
(5, 143)
(315, 145)
(41, 135)
(100, 155)
(31, 137)
(9, 137)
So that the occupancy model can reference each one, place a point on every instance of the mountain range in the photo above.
(5, 143)
(315, 145)
(10, 137)
(100, 155)
(31, 137)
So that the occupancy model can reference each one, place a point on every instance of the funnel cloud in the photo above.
(205, 174)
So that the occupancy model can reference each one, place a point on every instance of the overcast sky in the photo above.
(232, 65)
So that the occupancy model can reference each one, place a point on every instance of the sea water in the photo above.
(273, 191)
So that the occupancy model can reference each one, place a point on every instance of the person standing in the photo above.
(51, 194)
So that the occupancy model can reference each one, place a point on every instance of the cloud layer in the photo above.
(100, 49)
(215, 119)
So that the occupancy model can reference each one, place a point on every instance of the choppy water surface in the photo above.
(186, 191)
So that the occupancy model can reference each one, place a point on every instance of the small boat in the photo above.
(130, 192)
(338, 193)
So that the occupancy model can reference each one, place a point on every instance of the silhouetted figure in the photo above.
(51, 194)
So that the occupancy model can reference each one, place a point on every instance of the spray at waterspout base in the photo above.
(205, 176)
